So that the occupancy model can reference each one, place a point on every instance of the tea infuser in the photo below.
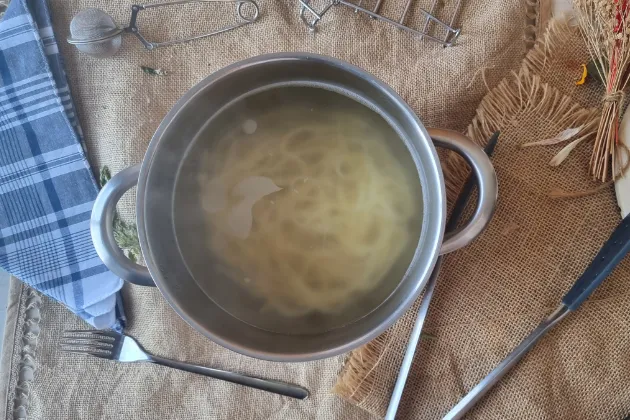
(94, 32)
(451, 32)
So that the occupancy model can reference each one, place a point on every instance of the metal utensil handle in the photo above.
(456, 213)
(277, 387)
(486, 182)
(504, 367)
(102, 228)
(137, 8)
(611, 253)
(414, 338)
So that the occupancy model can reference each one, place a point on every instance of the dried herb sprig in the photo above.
(154, 72)
(125, 234)
(605, 25)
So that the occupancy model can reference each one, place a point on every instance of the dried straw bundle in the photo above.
(605, 25)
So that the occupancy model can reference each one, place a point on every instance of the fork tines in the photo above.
(97, 343)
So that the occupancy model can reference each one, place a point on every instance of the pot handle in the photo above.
(486, 183)
(102, 228)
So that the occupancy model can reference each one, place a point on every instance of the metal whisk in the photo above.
(451, 32)
(94, 32)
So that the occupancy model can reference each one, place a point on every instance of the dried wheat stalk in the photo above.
(605, 25)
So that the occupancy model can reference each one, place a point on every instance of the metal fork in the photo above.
(115, 346)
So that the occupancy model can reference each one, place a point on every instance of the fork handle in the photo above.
(269, 385)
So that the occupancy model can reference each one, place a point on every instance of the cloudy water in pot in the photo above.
(306, 210)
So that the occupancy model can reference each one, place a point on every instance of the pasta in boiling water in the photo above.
(307, 215)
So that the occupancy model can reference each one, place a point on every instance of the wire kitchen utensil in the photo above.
(94, 32)
(306, 8)
(451, 225)
(115, 346)
(611, 254)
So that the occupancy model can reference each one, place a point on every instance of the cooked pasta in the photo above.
(307, 214)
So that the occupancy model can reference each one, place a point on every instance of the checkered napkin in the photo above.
(46, 187)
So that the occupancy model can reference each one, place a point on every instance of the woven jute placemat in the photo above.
(491, 294)
(120, 107)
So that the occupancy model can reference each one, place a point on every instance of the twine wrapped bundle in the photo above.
(605, 25)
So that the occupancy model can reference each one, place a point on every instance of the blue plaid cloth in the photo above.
(46, 186)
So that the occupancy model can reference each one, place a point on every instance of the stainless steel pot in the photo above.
(156, 180)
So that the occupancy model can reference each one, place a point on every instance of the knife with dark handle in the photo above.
(613, 251)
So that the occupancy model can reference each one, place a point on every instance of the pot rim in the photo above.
(431, 236)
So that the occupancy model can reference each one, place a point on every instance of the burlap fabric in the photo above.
(493, 293)
(560, 52)
(120, 107)
(71, 387)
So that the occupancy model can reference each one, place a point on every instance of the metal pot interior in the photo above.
(172, 231)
